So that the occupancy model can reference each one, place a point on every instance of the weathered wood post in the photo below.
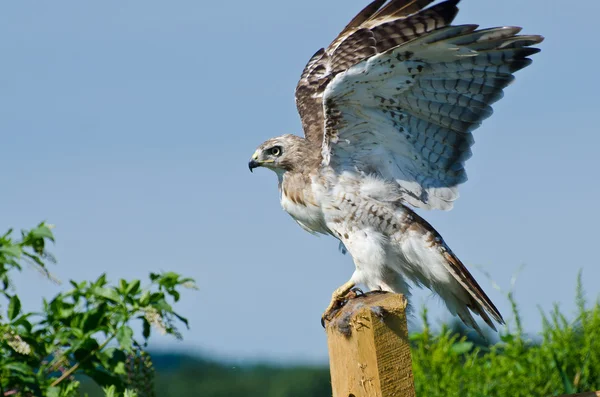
(369, 352)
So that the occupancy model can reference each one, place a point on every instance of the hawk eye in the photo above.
(275, 151)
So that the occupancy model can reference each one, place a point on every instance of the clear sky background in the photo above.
(129, 125)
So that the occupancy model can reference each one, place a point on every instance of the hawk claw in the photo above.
(338, 300)
(332, 311)
(357, 292)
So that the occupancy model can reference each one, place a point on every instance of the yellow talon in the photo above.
(337, 298)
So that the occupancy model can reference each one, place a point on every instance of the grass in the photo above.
(566, 359)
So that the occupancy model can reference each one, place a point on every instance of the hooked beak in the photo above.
(253, 164)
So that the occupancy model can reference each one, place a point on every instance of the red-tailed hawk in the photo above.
(388, 110)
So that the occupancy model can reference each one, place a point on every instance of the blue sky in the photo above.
(129, 125)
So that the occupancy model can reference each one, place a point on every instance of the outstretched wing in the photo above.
(374, 30)
(400, 95)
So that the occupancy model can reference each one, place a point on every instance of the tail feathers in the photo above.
(478, 301)
(476, 308)
(465, 310)
(462, 295)
(468, 319)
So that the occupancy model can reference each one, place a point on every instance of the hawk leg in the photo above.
(339, 297)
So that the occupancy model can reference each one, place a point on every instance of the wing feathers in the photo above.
(374, 30)
(311, 65)
(364, 15)
(396, 32)
(400, 8)
(401, 77)
(438, 110)
(360, 45)
(421, 101)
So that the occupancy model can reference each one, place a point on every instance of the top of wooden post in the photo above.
(369, 351)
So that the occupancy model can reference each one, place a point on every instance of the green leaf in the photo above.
(182, 319)
(14, 307)
(23, 321)
(18, 367)
(145, 299)
(107, 293)
(174, 294)
(110, 391)
(146, 330)
(125, 337)
(12, 250)
(36, 258)
(507, 338)
(116, 362)
(120, 368)
(78, 286)
(42, 231)
(461, 347)
(130, 393)
(567, 384)
(133, 287)
(161, 304)
(169, 279)
(78, 333)
(101, 281)
(53, 391)
(94, 318)
(84, 349)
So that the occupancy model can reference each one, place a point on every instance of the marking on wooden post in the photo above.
(369, 351)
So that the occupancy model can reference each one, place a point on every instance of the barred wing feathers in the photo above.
(374, 30)
(399, 95)
(408, 114)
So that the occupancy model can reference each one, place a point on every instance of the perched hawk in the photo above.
(388, 110)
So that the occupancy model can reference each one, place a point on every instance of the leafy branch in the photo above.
(86, 330)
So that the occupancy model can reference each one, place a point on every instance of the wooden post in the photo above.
(369, 352)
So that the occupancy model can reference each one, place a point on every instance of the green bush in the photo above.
(565, 360)
(83, 331)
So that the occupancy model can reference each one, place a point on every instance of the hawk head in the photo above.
(285, 153)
